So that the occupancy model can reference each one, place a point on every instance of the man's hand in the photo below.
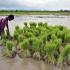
(8, 34)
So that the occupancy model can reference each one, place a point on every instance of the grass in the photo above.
(64, 54)
(41, 41)
(4, 12)
(9, 52)
(9, 45)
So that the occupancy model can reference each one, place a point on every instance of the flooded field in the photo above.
(50, 19)
(30, 64)
(25, 64)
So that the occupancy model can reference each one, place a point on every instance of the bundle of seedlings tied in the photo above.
(42, 42)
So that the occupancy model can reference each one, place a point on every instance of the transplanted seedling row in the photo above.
(40, 41)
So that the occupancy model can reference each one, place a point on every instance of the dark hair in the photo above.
(11, 17)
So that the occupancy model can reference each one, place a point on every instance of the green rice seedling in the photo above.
(35, 47)
(9, 45)
(23, 46)
(67, 37)
(25, 53)
(8, 49)
(50, 49)
(57, 41)
(45, 24)
(4, 41)
(68, 60)
(4, 38)
(42, 29)
(49, 36)
(26, 29)
(40, 24)
(37, 56)
(53, 37)
(33, 28)
(61, 28)
(32, 25)
(35, 44)
(51, 28)
(30, 42)
(43, 37)
(21, 38)
(4, 35)
(28, 34)
(54, 30)
(17, 32)
(61, 34)
(25, 24)
(64, 54)
(17, 27)
(36, 32)
(41, 46)
(7, 53)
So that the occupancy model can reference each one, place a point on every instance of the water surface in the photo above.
(50, 19)
(25, 64)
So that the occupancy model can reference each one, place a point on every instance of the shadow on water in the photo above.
(25, 64)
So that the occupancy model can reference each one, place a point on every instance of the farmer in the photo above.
(3, 23)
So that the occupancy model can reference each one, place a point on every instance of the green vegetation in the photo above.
(65, 53)
(40, 41)
(23, 12)
(9, 45)
(9, 49)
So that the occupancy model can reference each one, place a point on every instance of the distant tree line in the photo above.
(34, 11)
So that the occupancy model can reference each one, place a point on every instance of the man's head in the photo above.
(10, 17)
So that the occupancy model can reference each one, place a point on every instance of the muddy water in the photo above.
(25, 64)
(50, 19)
(30, 64)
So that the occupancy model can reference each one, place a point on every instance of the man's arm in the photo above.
(7, 30)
